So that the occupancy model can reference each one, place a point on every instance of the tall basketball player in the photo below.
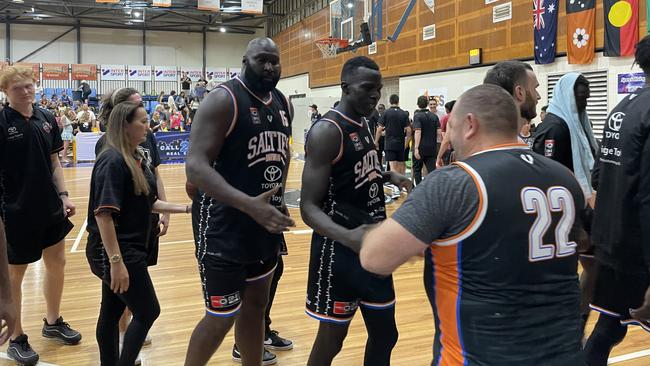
(496, 302)
(238, 160)
(342, 193)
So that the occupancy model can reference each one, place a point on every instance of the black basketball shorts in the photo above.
(224, 281)
(338, 285)
(25, 243)
(616, 292)
(395, 155)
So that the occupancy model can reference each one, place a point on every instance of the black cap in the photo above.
(313, 106)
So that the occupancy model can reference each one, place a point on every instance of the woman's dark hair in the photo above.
(112, 99)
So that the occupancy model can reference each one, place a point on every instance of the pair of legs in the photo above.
(608, 333)
(382, 337)
(428, 163)
(64, 153)
(54, 260)
(249, 328)
(142, 301)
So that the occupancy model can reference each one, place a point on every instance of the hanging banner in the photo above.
(35, 67)
(139, 73)
(629, 83)
(113, 72)
(218, 74)
(166, 73)
(84, 72)
(55, 72)
(234, 72)
(194, 73)
(251, 6)
(431, 4)
(163, 3)
(212, 5)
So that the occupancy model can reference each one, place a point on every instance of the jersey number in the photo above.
(556, 199)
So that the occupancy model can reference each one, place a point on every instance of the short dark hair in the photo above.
(423, 101)
(449, 106)
(544, 108)
(507, 74)
(581, 80)
(642, 54)
(173, 92)
(355, 63)
(394, 99)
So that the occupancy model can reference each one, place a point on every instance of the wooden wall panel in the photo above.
(460, 26)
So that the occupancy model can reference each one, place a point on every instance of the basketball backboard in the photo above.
(347, 16)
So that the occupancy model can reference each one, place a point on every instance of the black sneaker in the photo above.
(20, 351)
(275, 342)
(268, 358)
(61, 331)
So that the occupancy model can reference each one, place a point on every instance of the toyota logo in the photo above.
(374, 189)
(615, 121)
(272, 173)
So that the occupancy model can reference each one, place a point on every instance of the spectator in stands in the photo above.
(65, 99)
(171, 101)
(44, 102)
(186, 83)
(314, 116)
(86, 119)
(176, 121)
(39, 89)
(55, 99)
(76, 105)
(66, 133)
(161, 97)
(194, 106)
(199, 91)
(181, 104)
(155, 121)
(160, 108)
(164, 126)
(85, 89)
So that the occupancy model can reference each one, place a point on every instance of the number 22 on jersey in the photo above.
(536, 202)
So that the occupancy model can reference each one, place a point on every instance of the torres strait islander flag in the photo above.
(621, 27)
(545, 30)
(581, 26)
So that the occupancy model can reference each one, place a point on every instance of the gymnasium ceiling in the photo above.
(182, 16)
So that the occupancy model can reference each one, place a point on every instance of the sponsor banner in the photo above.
(251, 6)
(139, 73)
(108, 1)
(234, 72)
(55, 72)
(629, 83)
(219, 74)
(194, 73)
(165, 73)
(212, 5)
(84, 72)
(173, 145)
(35, 67)
(113, 72)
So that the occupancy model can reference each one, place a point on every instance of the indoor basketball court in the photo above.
(315, 39)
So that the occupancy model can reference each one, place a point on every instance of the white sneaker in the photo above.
(147, 341)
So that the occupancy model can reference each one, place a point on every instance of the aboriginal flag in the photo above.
(581, 26)
(621, 27)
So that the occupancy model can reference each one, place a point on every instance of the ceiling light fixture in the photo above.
(19, 1)
(222, 30)
(350, 5)
(137, 14)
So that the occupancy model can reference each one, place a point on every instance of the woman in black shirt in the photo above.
(123, 195)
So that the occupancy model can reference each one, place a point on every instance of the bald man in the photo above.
(495, 228)
(238, 160)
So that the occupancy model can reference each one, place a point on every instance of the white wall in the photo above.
(106, 46)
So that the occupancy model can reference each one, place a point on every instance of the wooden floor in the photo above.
(177, 284)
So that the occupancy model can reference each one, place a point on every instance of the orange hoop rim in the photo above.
(329, 41)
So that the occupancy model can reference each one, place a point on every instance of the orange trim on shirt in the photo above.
(106, 207)
(340, 154)
(445, 263)
(513, 144)
(235, 112)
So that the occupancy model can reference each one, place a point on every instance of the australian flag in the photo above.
(545, 29)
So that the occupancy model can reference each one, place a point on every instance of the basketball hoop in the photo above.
(329, 46)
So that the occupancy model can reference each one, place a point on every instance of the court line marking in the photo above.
(79, 236)
(40, 363)
(629, 356)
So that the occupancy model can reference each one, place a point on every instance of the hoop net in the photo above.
(329, 46)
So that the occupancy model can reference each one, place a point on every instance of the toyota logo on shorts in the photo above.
(272, 173)
(615, 121)
(374, 189)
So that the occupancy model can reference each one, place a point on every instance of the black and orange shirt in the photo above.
(504, 268)
(112, 190)
(27, 191)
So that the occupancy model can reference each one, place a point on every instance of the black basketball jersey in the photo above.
(499, 282)
(253, 159)
(356, 191)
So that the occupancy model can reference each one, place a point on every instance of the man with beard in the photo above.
(341, 196)
(566, 137)
(238, 161)
(520, 81)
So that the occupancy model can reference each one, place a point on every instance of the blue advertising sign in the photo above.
(173, 145)
(629, 83)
